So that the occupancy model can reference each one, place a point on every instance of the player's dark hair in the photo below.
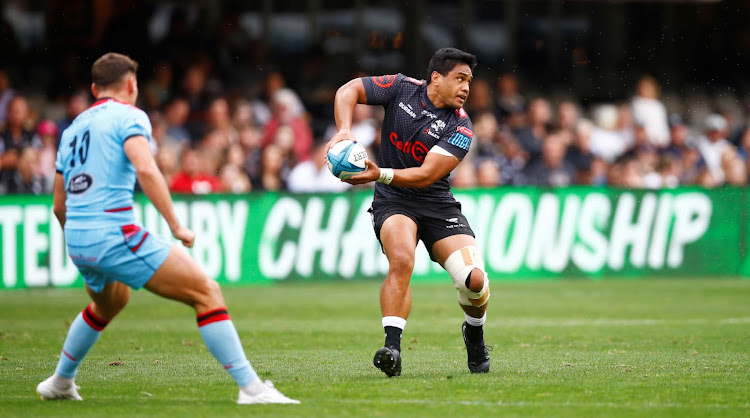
(110, 68)
(446, 59)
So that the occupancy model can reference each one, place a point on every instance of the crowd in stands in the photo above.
(206, 140)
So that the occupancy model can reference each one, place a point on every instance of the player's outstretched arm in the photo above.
(58, 199)
(347, 97)
(435, 167)
(153, 184)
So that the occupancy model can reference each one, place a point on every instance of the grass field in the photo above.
(561, 348)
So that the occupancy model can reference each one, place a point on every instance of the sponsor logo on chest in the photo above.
(434, 128)
(407, 108)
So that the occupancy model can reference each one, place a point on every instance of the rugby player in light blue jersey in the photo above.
(100, 157)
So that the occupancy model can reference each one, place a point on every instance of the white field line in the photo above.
(518, 404)
(618, 322)
(499, 404)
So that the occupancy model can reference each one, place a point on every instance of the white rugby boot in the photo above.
(260, 392)
(52, 388)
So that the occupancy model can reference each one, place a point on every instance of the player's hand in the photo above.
(185, 235)
(341, 135)
(371, 173)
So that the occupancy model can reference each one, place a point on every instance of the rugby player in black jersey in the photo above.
(425, 134)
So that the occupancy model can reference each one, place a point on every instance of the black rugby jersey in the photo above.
(411, 127)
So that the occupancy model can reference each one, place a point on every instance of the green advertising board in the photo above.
(524, 233)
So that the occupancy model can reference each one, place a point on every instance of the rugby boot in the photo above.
(477, 353)
(262, 392)
(388, 360)
(48, 390)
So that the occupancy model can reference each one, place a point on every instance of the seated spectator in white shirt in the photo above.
(313, 176)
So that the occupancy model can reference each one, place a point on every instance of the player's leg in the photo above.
(460, 257)
(398, 235)
(180, 278)
(82, 335)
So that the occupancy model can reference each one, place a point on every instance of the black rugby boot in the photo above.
(477, 353)
(388, 359)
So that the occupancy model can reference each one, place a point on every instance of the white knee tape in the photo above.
(459, 265)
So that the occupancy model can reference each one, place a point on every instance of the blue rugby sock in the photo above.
(221, 338)
(82, 335)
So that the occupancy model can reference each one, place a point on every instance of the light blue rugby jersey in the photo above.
(99, 178)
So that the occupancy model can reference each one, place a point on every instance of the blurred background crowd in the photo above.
(234, 112)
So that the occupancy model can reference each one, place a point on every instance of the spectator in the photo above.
(193, 177)
(159, 88)
(15, 137)
(551, 169)
(531, 136)
(363, 125)
(649, 111)
(669, 169)
(579, 153)
(464, 175)
(167, 161)
(193, 90)
(274, 168)
(678, 137)
(176, 113)
(234, 180)
(274, 82)
(47, 133)
(6, 93)
(76, 103)
(631, 172)
(488, 173)
(713, 145)
(287, 110)
(735, 171)
(567, 117)
(24, 179)
(243, 114)
(218, 118)
(480, 99)
(313, 176)
(486, 137)
(511, 160)
(611, 135)
(508, 99)
(249, 139)
(232, 173)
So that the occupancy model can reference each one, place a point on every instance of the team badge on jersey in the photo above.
(384, 81)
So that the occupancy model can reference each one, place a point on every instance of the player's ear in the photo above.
(435, 77)
(132, 84)
(94, 89)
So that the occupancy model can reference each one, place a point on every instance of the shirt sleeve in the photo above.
(136, 123)
(381, 90)
(59, 162)
(457, 141)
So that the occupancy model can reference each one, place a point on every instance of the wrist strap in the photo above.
(386, 176)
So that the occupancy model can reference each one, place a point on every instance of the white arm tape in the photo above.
(386, 176)
(437, 149)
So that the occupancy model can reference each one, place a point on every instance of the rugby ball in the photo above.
(346, 158)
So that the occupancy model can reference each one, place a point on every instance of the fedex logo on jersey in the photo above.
(466, 131)
(460, 140)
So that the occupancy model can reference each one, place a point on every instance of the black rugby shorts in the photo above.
(435, 220)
